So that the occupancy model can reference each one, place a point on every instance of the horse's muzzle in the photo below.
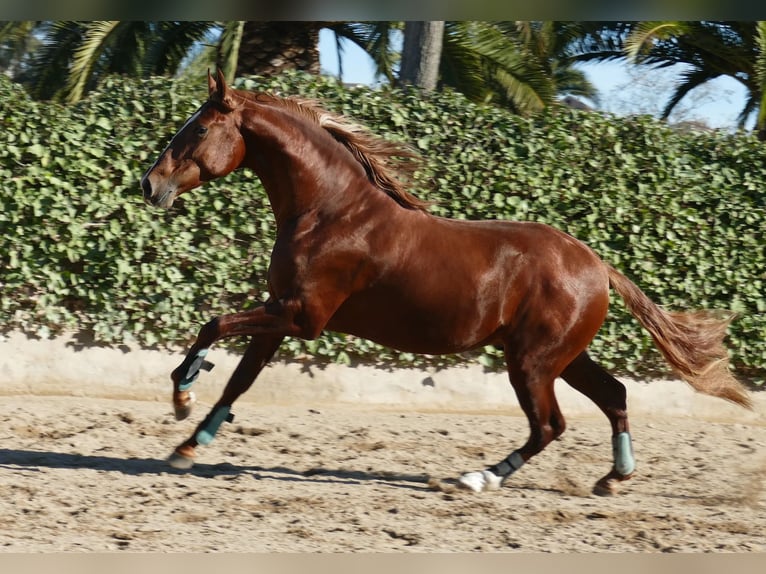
(155, 199)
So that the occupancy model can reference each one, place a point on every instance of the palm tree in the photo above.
(710, 50)
(16, 40)
(421, 53)
(760, 78)
(707, 49)
(73, 56)
(512, 64)
(269, 48)
(523, 66)
(519, 65)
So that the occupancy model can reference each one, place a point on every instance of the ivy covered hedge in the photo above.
(681, 214)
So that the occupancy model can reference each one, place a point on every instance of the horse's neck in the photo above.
(300, 168)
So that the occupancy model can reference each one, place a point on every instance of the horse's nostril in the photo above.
(147, 187)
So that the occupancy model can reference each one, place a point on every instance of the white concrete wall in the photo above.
(57, 367)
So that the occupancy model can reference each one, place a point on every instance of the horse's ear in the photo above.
(221, 79)
(211, 87)
(219, 91)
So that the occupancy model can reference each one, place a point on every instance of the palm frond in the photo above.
(95, 39)
(759, 39)
(518, 66)
(759, 68)
(461, 68)
(49, 65)
(523, 96)
(690, 80)
(642, 38)
(752, 104)
(375, 39)
(17, 41)
(14, 32)
(171, 43)
(574, 82)
(593, 41)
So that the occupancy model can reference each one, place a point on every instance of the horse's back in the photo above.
(452, 285)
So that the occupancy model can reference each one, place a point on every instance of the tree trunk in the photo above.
(421, 54)
(269, 48)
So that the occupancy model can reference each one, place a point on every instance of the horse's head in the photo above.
(208, 146)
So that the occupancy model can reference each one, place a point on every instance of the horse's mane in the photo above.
(389, 165)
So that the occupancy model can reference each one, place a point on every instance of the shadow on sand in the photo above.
(34, 461)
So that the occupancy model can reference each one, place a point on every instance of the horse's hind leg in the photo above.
(258, 353)
(534, 391)
(609, 395)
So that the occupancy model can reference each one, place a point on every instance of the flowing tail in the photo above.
(691, 342)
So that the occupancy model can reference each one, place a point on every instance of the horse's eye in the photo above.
(201, 131)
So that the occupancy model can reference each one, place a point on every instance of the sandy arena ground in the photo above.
(82, 473)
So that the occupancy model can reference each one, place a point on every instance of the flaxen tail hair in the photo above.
(691, 342)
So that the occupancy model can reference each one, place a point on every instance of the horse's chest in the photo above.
(303, 264)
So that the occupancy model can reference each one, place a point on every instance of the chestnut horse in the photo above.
(356, 253)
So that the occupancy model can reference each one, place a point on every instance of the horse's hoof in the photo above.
(606, 487)
(610, 484)
(480, 481)
(182, 411)
(180, 461)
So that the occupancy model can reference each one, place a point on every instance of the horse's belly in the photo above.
(415, 328)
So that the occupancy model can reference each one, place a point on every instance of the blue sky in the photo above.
(623, 91)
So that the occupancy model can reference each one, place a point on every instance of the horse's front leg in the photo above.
(271, 319)
(257, 355)
(267, 325)
(184, 376)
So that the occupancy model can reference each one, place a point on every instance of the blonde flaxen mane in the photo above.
(389, 165)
